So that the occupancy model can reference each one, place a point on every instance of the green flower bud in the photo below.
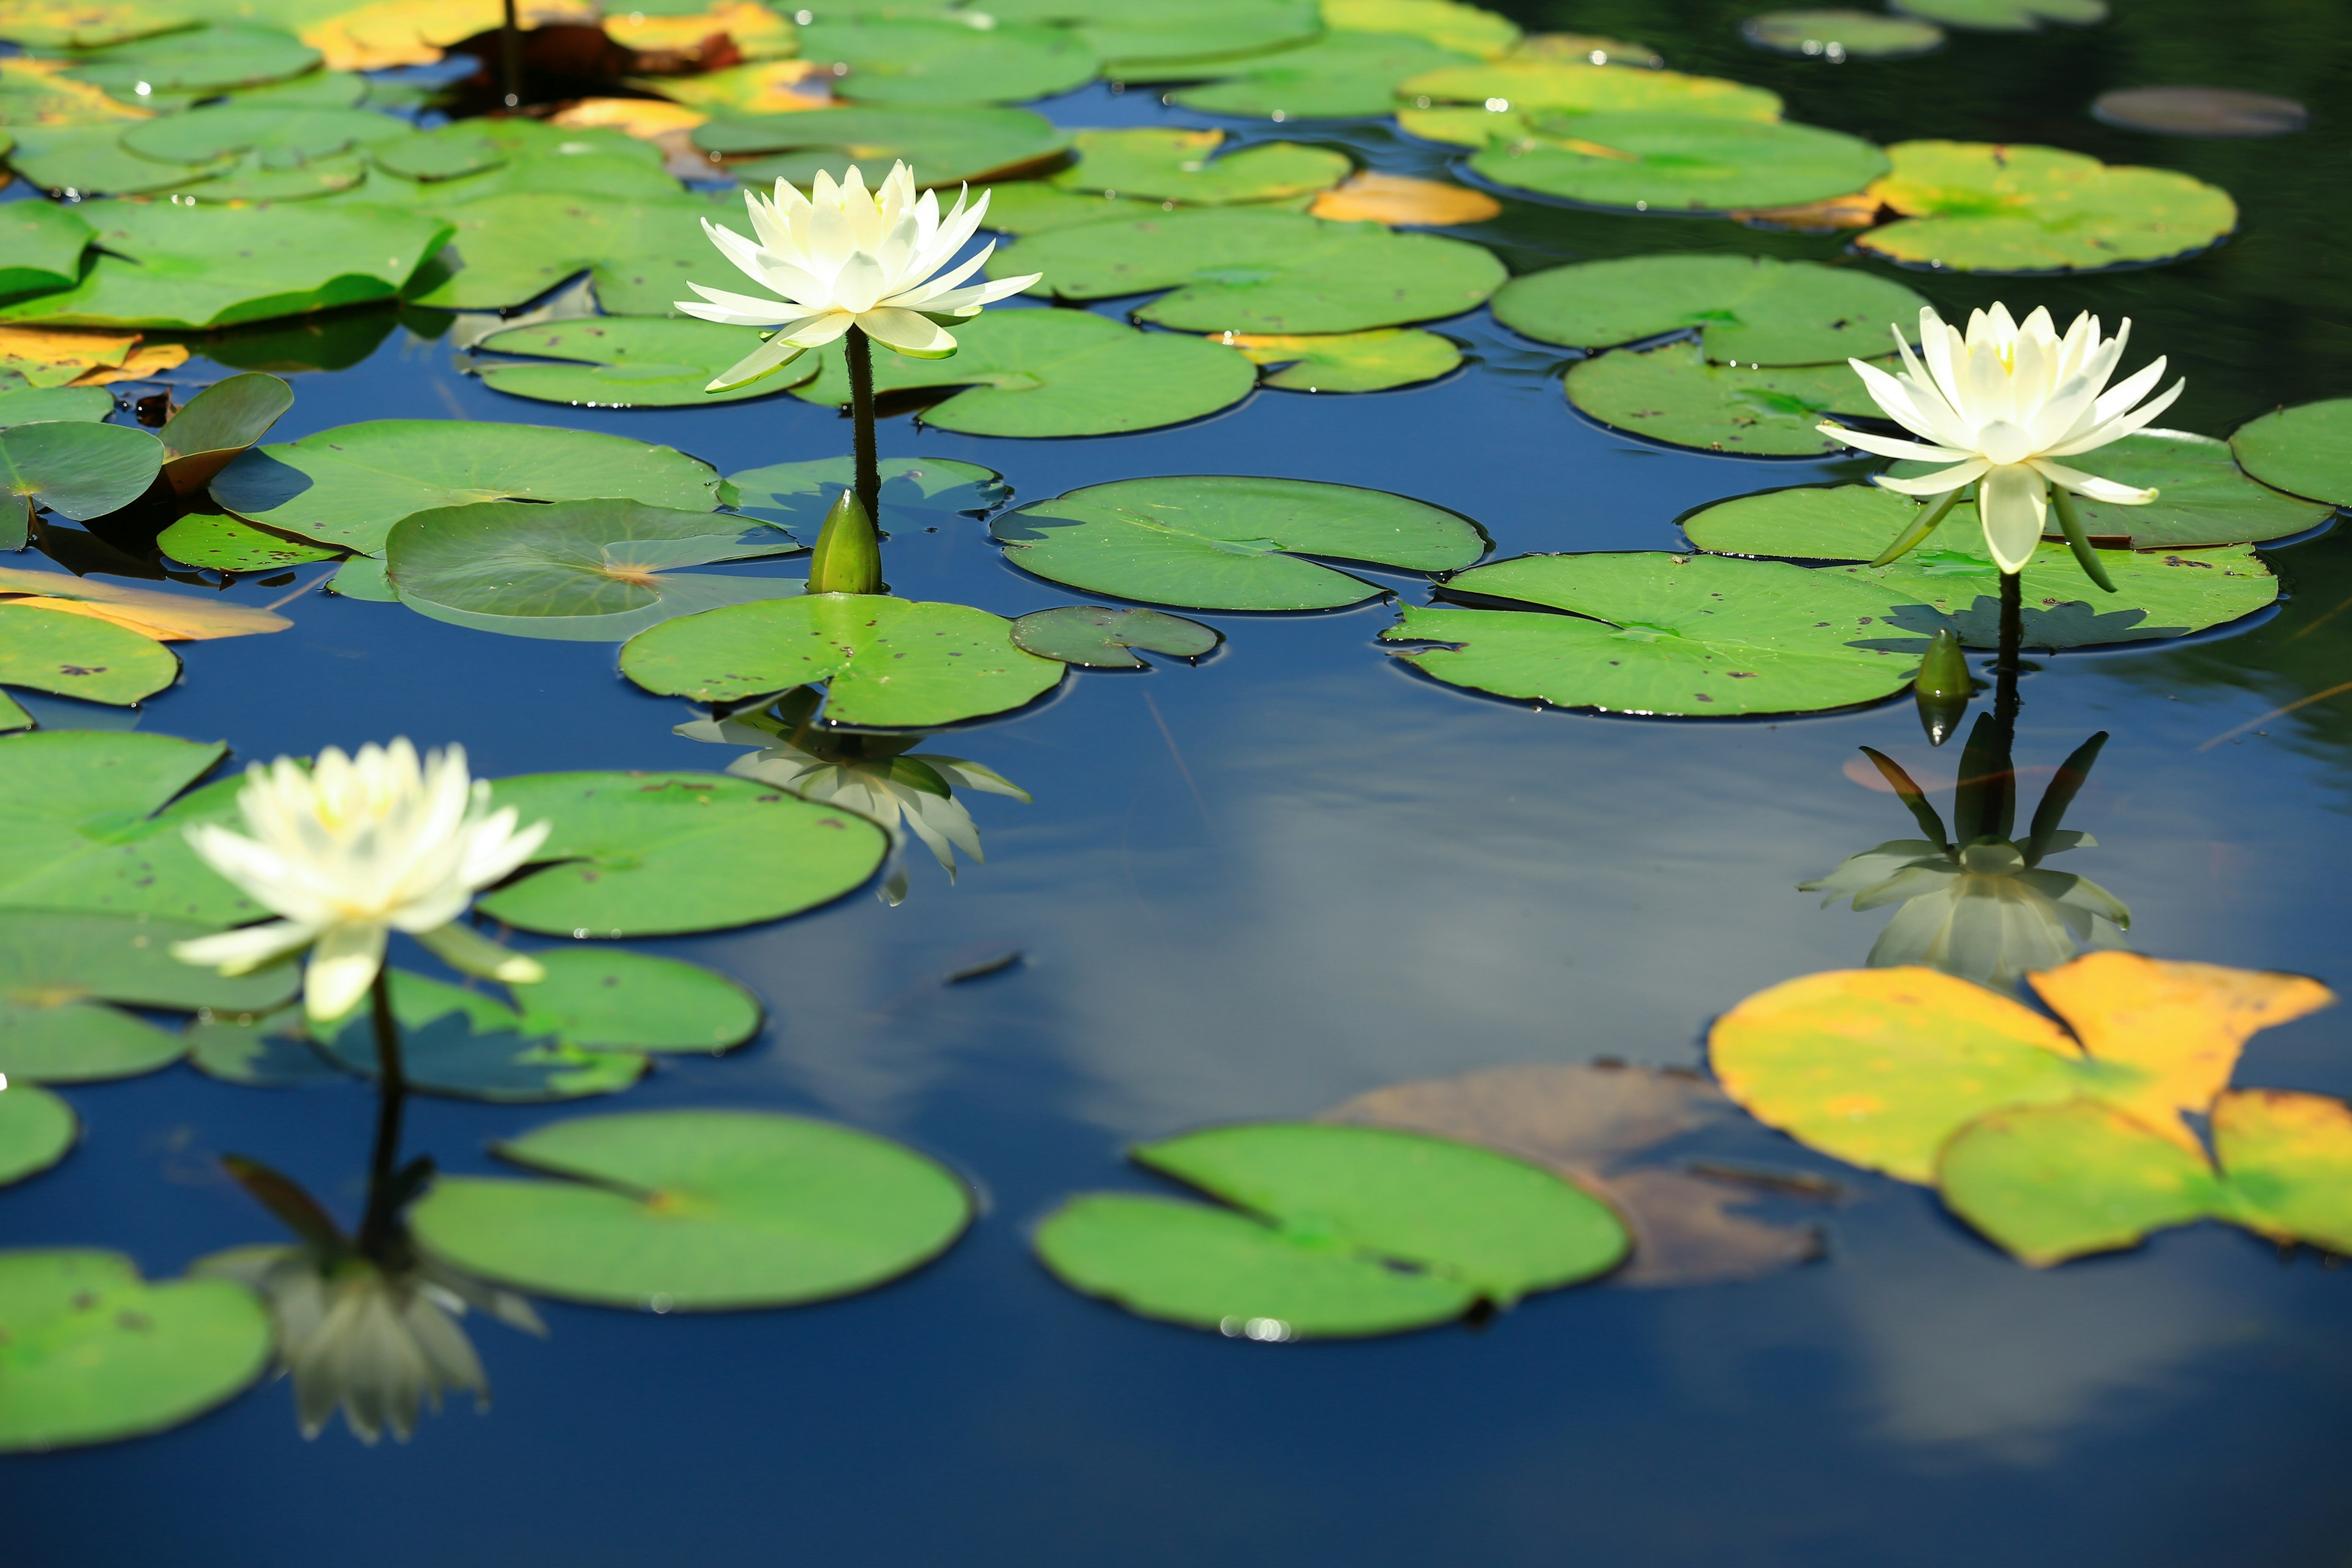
(1943, 686)
(848, 554)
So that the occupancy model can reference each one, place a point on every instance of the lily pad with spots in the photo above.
(627, 361)
(945, 146)
(1671, 394)
(1095, 638)
(51, 649)
(37, 1129)
(1163, 164)
(946, 59)
(226, 544)
(917, 492)
(1377, 361)
(2305, 451)
(466, 1046)
(1752, 310)
(1680, 162)
(1978, 206)
(599, 999)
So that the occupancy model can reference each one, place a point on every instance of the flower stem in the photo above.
(859, 351)
(2012, 636)
(378, 1228)
(511, 59)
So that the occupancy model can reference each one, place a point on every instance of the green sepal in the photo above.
(848, 555)
(2071, 521)
(1921, 527)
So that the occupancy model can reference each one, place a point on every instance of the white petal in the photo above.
(2117, 429)
(908, 333)
(342, 966)
(1936, 483)
(247, 950)
(1891, 447)
(2011, 501)
(2092, 485)
(772, 355)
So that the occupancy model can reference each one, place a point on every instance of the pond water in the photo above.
(1299, 871)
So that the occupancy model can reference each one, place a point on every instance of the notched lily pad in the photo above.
(1377, 361)
(917, 492)
(226, 543)
(1095, 638)
(89, 823)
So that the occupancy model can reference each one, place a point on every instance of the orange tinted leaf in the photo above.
(2289, 1159)
(761, 34)
(643, 118)
(166, 617)
(391, 32)
(1367, 196)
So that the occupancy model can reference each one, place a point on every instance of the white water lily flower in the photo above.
(2001, 404)
(844, 257)
(357, 847)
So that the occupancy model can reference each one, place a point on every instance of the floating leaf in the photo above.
(2054, 1181)
(1681, 162)
(269, 1051)
(1692, 636)
(1370, 196)
(2305, 450)
(1097, 638)
(1240, 271)
(39, 357)
(945, 146)
(36, 1131)
(281, 138)
(51, 649)
(1339, 76)
(163, 616)
(1467, 28)
(1163, 164)
(1376, 361)
(629, 361)
(387, 34)
(1842, 35)
(85, 23)
(946, 60)
(76, 831)
(1579, 88)
(1223, 541)
(585, 571)
(83, 160)
(2220, 112)
(765, 87)
(1978, 206)
(42, 243)
(601, 1000)
(756, 32)
(1671, 394)
(517, 246)
(1054, 373)
(41, 405)
(347, 487)
(95, 1354)
(1341, 1232)
(917, 492)
(218, 423)
(2008, 15)
(77, 468)
(206, 60)
(887, 663)
(467, 1046)
(456, 165)
(1171, 41)
(37, 92)
(1750, 311)
(698, 1211)
(656, 854)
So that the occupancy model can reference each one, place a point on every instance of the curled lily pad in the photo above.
(698, 1211)
(218, 423)
(947, 59)
(1054, 373)
(97, 1354)
(598, 999)
(1099, 638)
(1377, 361)
(1581, 88)
(467, 1046)
(655, 854)
(887, 663)
(1752, 310)
(583, 570)
(77, 468)
(51, 649)
(1673, 394)
(1164, 163)
(89, 824)
(629, 361)
(36, 1131)
(2220, 111)
(41, 245)
(1339, 76)
(1842, 35)
(1225, 542)
(1334, 1232)
(2008, 15)
(347, 487)
(2305, 450)
(946, 146)
(1979, 206)
(1689, 635)
(1681, 162)
(917, 492)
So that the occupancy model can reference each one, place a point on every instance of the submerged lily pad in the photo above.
(1098, 639)
(347, 487)
(77, 468)
(1750, 311)
(2305, 450)
(1166, 163)
(1842, 35)
(946, 59)
(598, 999)
(1979, 206)
(1239, 270)
(1681, 162)
(886, 662)
(1671, 394)
(917, 492)
(71, 655)
(1224, 541)
(1339, 76)
(945, 146)
(1377, 361)
(467, 1046)
(96, 1354)
(698, 1211)
(1334, 1232)
(656, 854)
(583, 570)
(1690, 636)
(629, 361)
(40, 247)
(2008, 15)
(77, 833)
(1054, 373)
(36, 1131)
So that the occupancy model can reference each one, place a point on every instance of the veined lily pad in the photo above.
(2305, 451)
(887, 663)
(1239, 270)
(76, 831)
(40, 404)
(96, 1354)
(1978, 207)
(1376, 361)
(1096, 639)
(36, 1131)
(947, 59)
(917, 492)
(639, 251)
(1224, 541)
(226, 544)
(348, 486)
(602, 1000)
(1164, 163)
(1681, 162)
(2008, 15)
(77, 468)
(467, 1046)
(581, 571)
(1335, 1232)
(1842, 35)
(698, 1211)
(59, 972)
(80, 656)
(655, 854)
(1339, 76)
(206, 60)
(40, 247)
(1750, 311)
(1579, 87)
(945, 146)
(1054, 373)
(1671, 394)
(628, 362)
(1690, 636)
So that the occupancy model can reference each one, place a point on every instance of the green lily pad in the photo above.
(602, 1000)
(889, 663)
(76, 467)
(944, 146)
(583, 570)
(1377, 361)
(1241, 270)
(1164, 163)
(347, 487)
(1671, 394)
(206, 60)
(1097, 638)
(445, 153)
(629, 361)
(322, 90)
(1054, 373)
(2054, 1181)
(218, 423)
(1166, 40)
(656, 854)
(70, 25)
(1032, 206)
(949, 59)
(1341, 1231)
(1751, 310)
(226, 544)
(1979, 206)
(40, 247)
(77, 833)
(466, 1046)
(12, 716)
(1681, 162)
(1842, 35)
(59, 972)
(698, 1211)
(38, 404)
(917, 492)
(1471, 29)
(1689, 635)
(2008, 15)
(279, 137)
(639, 251)
(197, 267)
(264, 1050)
(2305, 451)
(36, 1131)
(83, 160)
(80, 656)
(1339, 76)
(1223, 541)
(441, 170)
(1581, 88)
(96, 1354)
